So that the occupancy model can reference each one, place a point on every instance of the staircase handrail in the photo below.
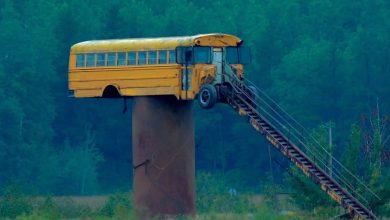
(300, 136)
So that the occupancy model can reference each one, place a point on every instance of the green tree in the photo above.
(351, 156)
(307, 194)
(308, 75)
(79, 166)
(366, 157)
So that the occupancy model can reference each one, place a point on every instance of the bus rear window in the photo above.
(162, 57)
(142, 58)
(101, 59)
(80, 60)
(172, 56)
(152, 57)
(121, 59)
(131, 58)
(111, 59)
(90, 60)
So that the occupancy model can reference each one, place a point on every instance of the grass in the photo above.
(119, 207)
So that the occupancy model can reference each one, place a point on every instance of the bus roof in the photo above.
(216, 40)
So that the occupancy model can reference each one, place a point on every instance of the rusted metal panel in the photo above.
(164, 156)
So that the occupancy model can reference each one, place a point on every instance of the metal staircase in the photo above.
(299, 146)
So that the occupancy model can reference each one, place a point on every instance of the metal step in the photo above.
(355, 208)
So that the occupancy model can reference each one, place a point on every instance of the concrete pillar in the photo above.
(163, 156)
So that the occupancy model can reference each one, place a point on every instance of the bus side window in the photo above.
(111, 59)
(131, 58)
(142, 57)
(121, 59)
(101, 59)
(80, 60)
(172, 56)
(162, 57)
(90, 59)
(152, 57)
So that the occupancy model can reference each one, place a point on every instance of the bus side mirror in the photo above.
(184, 55)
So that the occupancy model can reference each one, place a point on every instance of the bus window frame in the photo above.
(166, 56)
(155, 57)
(210, 54)
(179, 55)
(238, 54)
(83, 61)
(114, 61)
(135, 58)
(145, 58)
(87, 61)
(169, 57)
(190, 51)
(117, 58)
(98, 64)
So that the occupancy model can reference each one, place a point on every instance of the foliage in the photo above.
(369, 151)
(351, 156)
(306, 194)
(79, 164)
(321, 60)
(54, 208)
(214, 196)
(118, 205)
(48, 210)
(14, 203)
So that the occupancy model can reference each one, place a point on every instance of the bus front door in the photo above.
(217, 61)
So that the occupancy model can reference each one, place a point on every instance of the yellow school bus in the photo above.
(185, 67)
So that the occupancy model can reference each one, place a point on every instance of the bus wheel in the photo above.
(207, 96)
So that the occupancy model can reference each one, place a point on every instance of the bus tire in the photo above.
(207, 96)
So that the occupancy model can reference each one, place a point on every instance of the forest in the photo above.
(327, 63)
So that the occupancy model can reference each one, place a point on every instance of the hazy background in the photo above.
(322, 60)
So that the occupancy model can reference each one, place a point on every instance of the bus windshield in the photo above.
(238, 55)
(193, 55)
(202, 55)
